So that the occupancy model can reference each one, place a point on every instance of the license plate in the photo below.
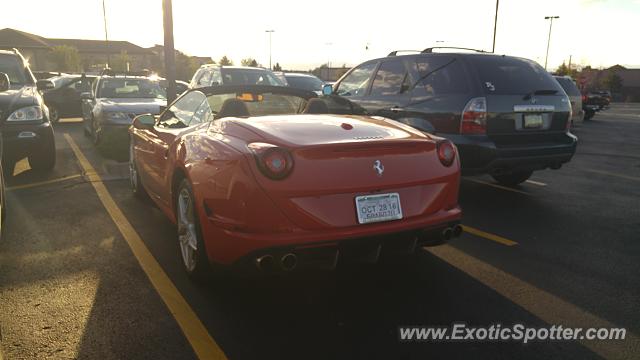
(532, 121)
(377, 208)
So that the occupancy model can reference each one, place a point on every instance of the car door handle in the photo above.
(396, 109)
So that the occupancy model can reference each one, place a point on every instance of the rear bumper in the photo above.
(242, 247)
(480, 155)
(22, 140)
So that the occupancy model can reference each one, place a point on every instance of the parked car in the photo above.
(115, 100)
(64, 99)
(3, 199)
(24, 117)
(593, 102)
(212, 74)
(575, 97)
(181, 86)
(507, 115)
(305, 81)
(262, 175)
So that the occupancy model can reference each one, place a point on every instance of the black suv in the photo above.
(24, 118)
(507, 115)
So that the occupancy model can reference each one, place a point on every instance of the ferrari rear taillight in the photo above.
(474, 117)
(274, 162)
(446, 152)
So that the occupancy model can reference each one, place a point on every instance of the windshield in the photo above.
(12, 66)
(512, 76)
(310, 83)
(122, 88)
(249, 77)
(261, 104)
(61, 81)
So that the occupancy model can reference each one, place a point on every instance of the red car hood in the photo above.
(306, 130)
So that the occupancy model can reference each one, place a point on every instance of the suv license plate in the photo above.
(532, 121)
(377, 208)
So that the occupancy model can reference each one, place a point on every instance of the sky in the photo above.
(599, 33)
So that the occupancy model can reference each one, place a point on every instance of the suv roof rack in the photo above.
(394, 53)
(111, 72)
(430, 50)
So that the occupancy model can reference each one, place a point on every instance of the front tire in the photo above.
(190, 242)
(45, 159)
(513, 179)
(134, 177)
(54, 114)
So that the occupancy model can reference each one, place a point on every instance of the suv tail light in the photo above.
(474, 117)
(274, 162)
(446, 152)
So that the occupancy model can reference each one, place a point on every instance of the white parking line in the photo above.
(536, 183)
(622, 176)
(498, 186)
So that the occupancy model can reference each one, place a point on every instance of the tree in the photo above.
(562, 70)
(249, 62)
(66, 58)
(613, 82)
(120, 62)
(224, 61)
(277, 67)
(185, 66)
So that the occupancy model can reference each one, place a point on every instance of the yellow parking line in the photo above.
(41, 183)
(540, 303)
(486, 235)
(498, 186)
(614, 174)
(195, 332)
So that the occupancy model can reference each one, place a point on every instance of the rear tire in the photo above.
(45, 159)
(512, 179)
(190, 242)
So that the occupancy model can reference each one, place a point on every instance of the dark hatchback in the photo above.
(507, 115)
(24, 117)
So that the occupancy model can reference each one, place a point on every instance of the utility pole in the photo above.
(270, 32)
(169, 51)
(495, 27)
(570, 63)
(549, 39)
(106, 35)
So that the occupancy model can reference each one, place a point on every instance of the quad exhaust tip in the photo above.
(288, 261)
(265, 263)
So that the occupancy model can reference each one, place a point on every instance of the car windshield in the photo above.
(123, 88)
(12, 66)
(249, 77)
(61, 81)
(310, 83)
(261, 104)
(512, 76)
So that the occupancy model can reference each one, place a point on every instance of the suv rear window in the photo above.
(512, 76)
(569, 86)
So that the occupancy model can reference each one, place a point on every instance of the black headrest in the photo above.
(316, 106)
(234, 108)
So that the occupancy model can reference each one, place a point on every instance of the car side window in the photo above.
(389, 78)
(216, 77)
(440, 75)
(357, 82)
(205, 79)
(202, 114)
(179, 115)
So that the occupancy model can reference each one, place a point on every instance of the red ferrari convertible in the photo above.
(272, 177)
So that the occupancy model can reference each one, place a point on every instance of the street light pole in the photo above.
(169, 50)
(106, 35)
(495, 27)
(270, 32)
(549, 39)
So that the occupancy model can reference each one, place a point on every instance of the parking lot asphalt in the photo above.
(88, 271)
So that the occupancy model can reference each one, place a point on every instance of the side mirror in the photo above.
(327, 89)
(146, 121)
(420, 124)
(4, 82)
(86, 96)
(44, 85)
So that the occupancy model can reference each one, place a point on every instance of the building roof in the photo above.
(11, 38)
